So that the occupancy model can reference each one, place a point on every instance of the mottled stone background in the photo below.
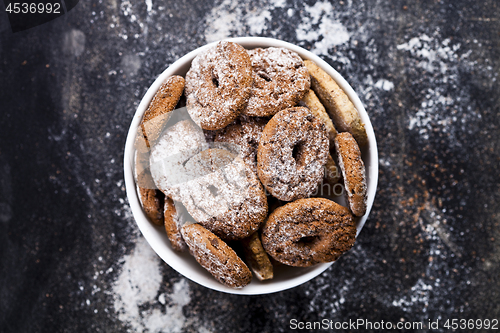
(71, 256)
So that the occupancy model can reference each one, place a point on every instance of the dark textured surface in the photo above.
(427, 73)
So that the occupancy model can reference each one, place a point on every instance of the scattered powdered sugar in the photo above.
(432, 59)
(384, 85)
(344, 289)
(426, 117)
(322, 27)
(125, 209)
(418, 294)
(137, 284)
(438, 110)
(136, 298)
(277, 3)
(149, 5)
(230, 18)
(257, 23)
(441, 251)
(319, 23)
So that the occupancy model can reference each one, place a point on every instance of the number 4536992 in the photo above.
(33, 8)
(471, 324)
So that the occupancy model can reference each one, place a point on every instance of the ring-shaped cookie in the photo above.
(280, 81)
(292, 153)
(308, 231)
(218, 85)
(216, 256)
(228, 199)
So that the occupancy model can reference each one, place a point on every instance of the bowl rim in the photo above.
(151, 232)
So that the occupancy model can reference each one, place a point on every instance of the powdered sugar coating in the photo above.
(308, 231)
(244, 132)
(228, 199)
(218, 189)
(218, 85)
(216, 256)
(280, 80)
(174, 148)
(292, 154)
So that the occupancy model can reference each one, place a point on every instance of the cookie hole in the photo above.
(307, 241)
(254, 145)
(265, 76)
(297, 152)
(215, 82)
(213, 190)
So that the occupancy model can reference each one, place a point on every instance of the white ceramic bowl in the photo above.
(284, 277)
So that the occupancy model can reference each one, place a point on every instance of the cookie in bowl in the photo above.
(284, 275)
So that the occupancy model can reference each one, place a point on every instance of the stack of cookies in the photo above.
(234, 179)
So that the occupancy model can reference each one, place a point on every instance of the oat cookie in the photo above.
(150, 197)
(280, 81)
(216, 256)
(218, 85)
(308, 231)
(245, 133)
(292, 154)
(158, 112)
(332, 172)
(173, 220)
(337, 103)
(228, 198)
(312, 102)
(257, 257)
(353, 172)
